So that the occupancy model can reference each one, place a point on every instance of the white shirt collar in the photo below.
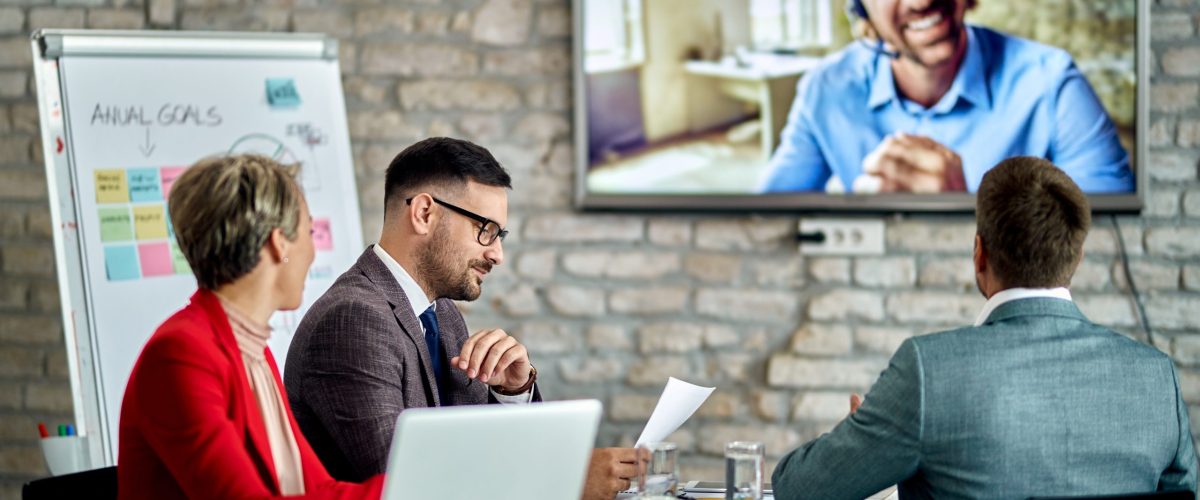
(1012, 294)
(416, 296)
(420, 302)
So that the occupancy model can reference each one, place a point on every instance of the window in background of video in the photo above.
(615, 35)
(781, 25)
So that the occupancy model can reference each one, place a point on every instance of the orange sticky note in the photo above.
(111, 186)
(149, 223)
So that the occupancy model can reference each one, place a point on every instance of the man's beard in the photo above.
(442, 272)
(956, 37)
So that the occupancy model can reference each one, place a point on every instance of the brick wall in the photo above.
(610, 305)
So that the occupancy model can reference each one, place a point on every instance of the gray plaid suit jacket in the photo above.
(358, 359)
(1037, 401)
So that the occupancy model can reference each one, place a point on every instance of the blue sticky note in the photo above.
(170, 226)
(281, 93)
(144, 185)
(121, 263)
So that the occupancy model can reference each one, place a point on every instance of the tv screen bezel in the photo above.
(1128, 203)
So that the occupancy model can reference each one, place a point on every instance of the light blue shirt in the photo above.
(1011, 97)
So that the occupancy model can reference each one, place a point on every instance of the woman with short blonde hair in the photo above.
(204, 414)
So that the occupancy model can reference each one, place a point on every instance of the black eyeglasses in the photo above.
(489, 229)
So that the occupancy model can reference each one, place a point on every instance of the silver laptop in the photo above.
(538, 451)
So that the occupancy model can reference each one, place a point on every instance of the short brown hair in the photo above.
(441, 162)
(224, 209)
(1033, 220)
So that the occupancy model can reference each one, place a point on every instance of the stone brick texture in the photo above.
(612, 304)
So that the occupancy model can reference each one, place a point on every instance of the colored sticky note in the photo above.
(115, 224)
(322, 236)
(318, 272)
(144, 185)
(168, 176)
(149, 222)
(178, 261)
(281, 93)
(155, 259)
(111, 187)
(170, 225)
(121, 263)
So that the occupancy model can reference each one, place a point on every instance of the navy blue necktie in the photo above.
(434, 344)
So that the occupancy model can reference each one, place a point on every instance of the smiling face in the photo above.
(929, 32)
(453, 263)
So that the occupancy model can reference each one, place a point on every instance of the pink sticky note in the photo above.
(168, 176)
(155, 259)
(322, 237)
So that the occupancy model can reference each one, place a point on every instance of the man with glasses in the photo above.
(387, 335)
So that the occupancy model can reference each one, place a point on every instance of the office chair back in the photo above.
(98, 484)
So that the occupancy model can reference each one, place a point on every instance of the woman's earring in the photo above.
(285, 260)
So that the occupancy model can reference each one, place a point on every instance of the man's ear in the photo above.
(420, 214)
(277, 245)
(979, 256)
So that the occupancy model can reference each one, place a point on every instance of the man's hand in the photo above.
(855, 402)
(609, 472)
(494, 358)
(913, 163)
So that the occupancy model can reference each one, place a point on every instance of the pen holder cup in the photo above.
(65, 454)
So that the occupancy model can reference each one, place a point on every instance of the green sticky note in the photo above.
(178, 261)
(115, 224)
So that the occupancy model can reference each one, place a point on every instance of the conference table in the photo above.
(889, 493)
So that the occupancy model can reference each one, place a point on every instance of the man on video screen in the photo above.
(926, 104)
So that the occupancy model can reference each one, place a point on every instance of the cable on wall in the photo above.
(1137, 296)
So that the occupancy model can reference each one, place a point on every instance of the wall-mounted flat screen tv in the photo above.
(853, 105)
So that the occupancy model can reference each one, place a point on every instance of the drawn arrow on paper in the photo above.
(147, 148)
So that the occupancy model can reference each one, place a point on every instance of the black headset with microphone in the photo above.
(856, 10)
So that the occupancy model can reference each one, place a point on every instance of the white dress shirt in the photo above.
(1012, 294)
(420, 302)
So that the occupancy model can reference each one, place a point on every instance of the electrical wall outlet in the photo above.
(843, 236)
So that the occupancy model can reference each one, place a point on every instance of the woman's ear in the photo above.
(277, 246)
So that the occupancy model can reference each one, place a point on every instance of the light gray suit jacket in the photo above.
(1036, 401)
(358, 359)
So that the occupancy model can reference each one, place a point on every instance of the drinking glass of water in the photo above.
(658, 470)
(743, 470)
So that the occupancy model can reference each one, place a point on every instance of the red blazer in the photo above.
(191, 427)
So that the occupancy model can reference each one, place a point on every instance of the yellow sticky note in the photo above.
(111, 186)
(149, 222)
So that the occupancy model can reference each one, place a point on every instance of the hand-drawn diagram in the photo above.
(275, 148)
